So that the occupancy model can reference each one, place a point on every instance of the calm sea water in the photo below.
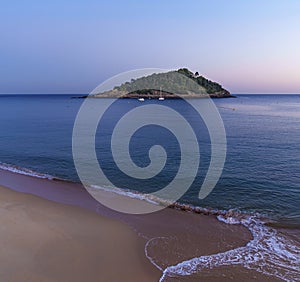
(262, 169)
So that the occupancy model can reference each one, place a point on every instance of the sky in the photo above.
(62, 46)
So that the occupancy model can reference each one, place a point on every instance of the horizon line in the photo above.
(70, 93)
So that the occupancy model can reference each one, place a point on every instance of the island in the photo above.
(181, 83)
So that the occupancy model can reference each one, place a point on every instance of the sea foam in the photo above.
(25, 171)
(269, 252)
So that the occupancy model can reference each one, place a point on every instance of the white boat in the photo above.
(161, 98)
(141, 99)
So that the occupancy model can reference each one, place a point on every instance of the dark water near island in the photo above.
(261, 173)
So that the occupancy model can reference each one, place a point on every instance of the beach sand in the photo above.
(55, 231)
(44, 241)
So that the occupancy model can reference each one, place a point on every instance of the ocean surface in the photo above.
(259, 186)
(262, 170)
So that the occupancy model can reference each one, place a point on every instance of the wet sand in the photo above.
(72, 237)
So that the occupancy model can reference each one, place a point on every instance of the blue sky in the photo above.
(72, 46)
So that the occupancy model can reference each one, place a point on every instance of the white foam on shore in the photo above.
(147, 253)
(269, 252)
(25, 171)
(132, 194)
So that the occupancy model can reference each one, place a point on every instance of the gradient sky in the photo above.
(61, 46)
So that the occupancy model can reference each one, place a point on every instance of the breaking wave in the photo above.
(269, 252)
(25, 171)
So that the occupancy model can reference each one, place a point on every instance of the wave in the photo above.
(269, 252)
(130, 194)
(120, 191)
(25, 171)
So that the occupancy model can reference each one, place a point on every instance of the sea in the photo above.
(259, 185)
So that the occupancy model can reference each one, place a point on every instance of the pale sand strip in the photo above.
(45, 241)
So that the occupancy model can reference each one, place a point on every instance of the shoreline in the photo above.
(168, 237)
(132, 194)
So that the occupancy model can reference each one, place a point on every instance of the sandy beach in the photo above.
(55, 231)
(46, 241)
